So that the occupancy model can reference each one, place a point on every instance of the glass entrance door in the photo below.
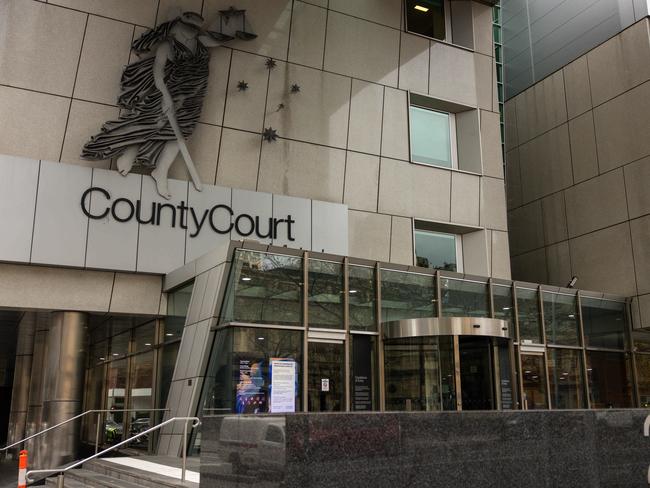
(476, 373)
(429, 373)
(326, 377)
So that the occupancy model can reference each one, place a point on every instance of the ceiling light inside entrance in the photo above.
(421, 8)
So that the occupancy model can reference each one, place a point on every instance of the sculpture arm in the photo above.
(163, 53)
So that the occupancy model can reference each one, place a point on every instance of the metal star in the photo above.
(270, 134)
(242, 86)
(295, 88)
(270, 63)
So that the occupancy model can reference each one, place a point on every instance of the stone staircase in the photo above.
(104, 473)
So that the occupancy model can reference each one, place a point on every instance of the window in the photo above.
(407, 295)
(461, 298)
(560, 318)
(437, 250)
(431, 138)
(264, 289)
(427, 18)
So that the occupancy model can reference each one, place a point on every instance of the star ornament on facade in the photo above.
(270, 134)
(242, 86)
(270, 63)
(295, 88)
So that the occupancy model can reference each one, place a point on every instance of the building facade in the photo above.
(541, 37)
(352, 182)
(577, 166)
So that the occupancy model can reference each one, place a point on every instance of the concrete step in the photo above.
(92, 479)
(68, 482)
(139, 477)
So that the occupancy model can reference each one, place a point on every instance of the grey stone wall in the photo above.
(577, 171)
(460, 449)
(343, 138)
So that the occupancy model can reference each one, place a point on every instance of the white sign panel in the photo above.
(283, 386)
(94, 218)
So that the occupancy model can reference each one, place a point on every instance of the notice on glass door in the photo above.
(283, 386)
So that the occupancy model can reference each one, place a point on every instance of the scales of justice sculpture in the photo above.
(161, 98)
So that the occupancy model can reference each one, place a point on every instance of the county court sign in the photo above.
(68, 215)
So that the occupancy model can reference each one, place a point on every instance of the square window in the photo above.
(426, 17)
(437, 250)
(431, 141)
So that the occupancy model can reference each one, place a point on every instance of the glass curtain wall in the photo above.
(567, 350)
(130, 367)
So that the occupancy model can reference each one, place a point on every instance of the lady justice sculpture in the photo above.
(161, 98)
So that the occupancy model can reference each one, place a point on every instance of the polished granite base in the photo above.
(597, 448)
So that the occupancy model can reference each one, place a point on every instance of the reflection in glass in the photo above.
(116, 397)
(560, 319)
(326, 377)
(239, 378)
(502, 298)
(264, 288)
(141, 397)
(430, 137)
(120, 345)
(363, 373)
(565, 377)
(643, 378)
(529, 323)
(99, 353)
(604, 323)
(178, 302)
(406, 295)
(435, 250)
(476, 376)
(325, 294)
(609, 379)
(641, 340)
(419, 374)
(464, 298)
(94, 393)
(534, 381)
(143, 337)
(362, 300)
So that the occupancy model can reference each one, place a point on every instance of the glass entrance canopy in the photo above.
(300, 331)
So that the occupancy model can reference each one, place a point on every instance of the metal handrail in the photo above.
(6, 448)
(62, 471)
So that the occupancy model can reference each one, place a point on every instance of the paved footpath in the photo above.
(8, 474)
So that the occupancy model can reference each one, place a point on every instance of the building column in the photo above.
(22, 377)
(63, 372)
(36, 384)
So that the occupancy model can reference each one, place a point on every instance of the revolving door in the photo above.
(457, 363)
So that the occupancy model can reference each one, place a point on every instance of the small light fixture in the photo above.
(102, 359)
(147, 343)
(115, 354)
(572, 316)
(353, 291)
(246, 278)
(169, 334)
(260, 338)
(572, 283)
(505, 308)
(421, 8)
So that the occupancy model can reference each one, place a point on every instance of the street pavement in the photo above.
(8, 474)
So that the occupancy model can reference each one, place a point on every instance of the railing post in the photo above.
(97, 432)
(59, 481)
(184, 450)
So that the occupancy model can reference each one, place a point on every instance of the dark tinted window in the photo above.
(426, 17)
